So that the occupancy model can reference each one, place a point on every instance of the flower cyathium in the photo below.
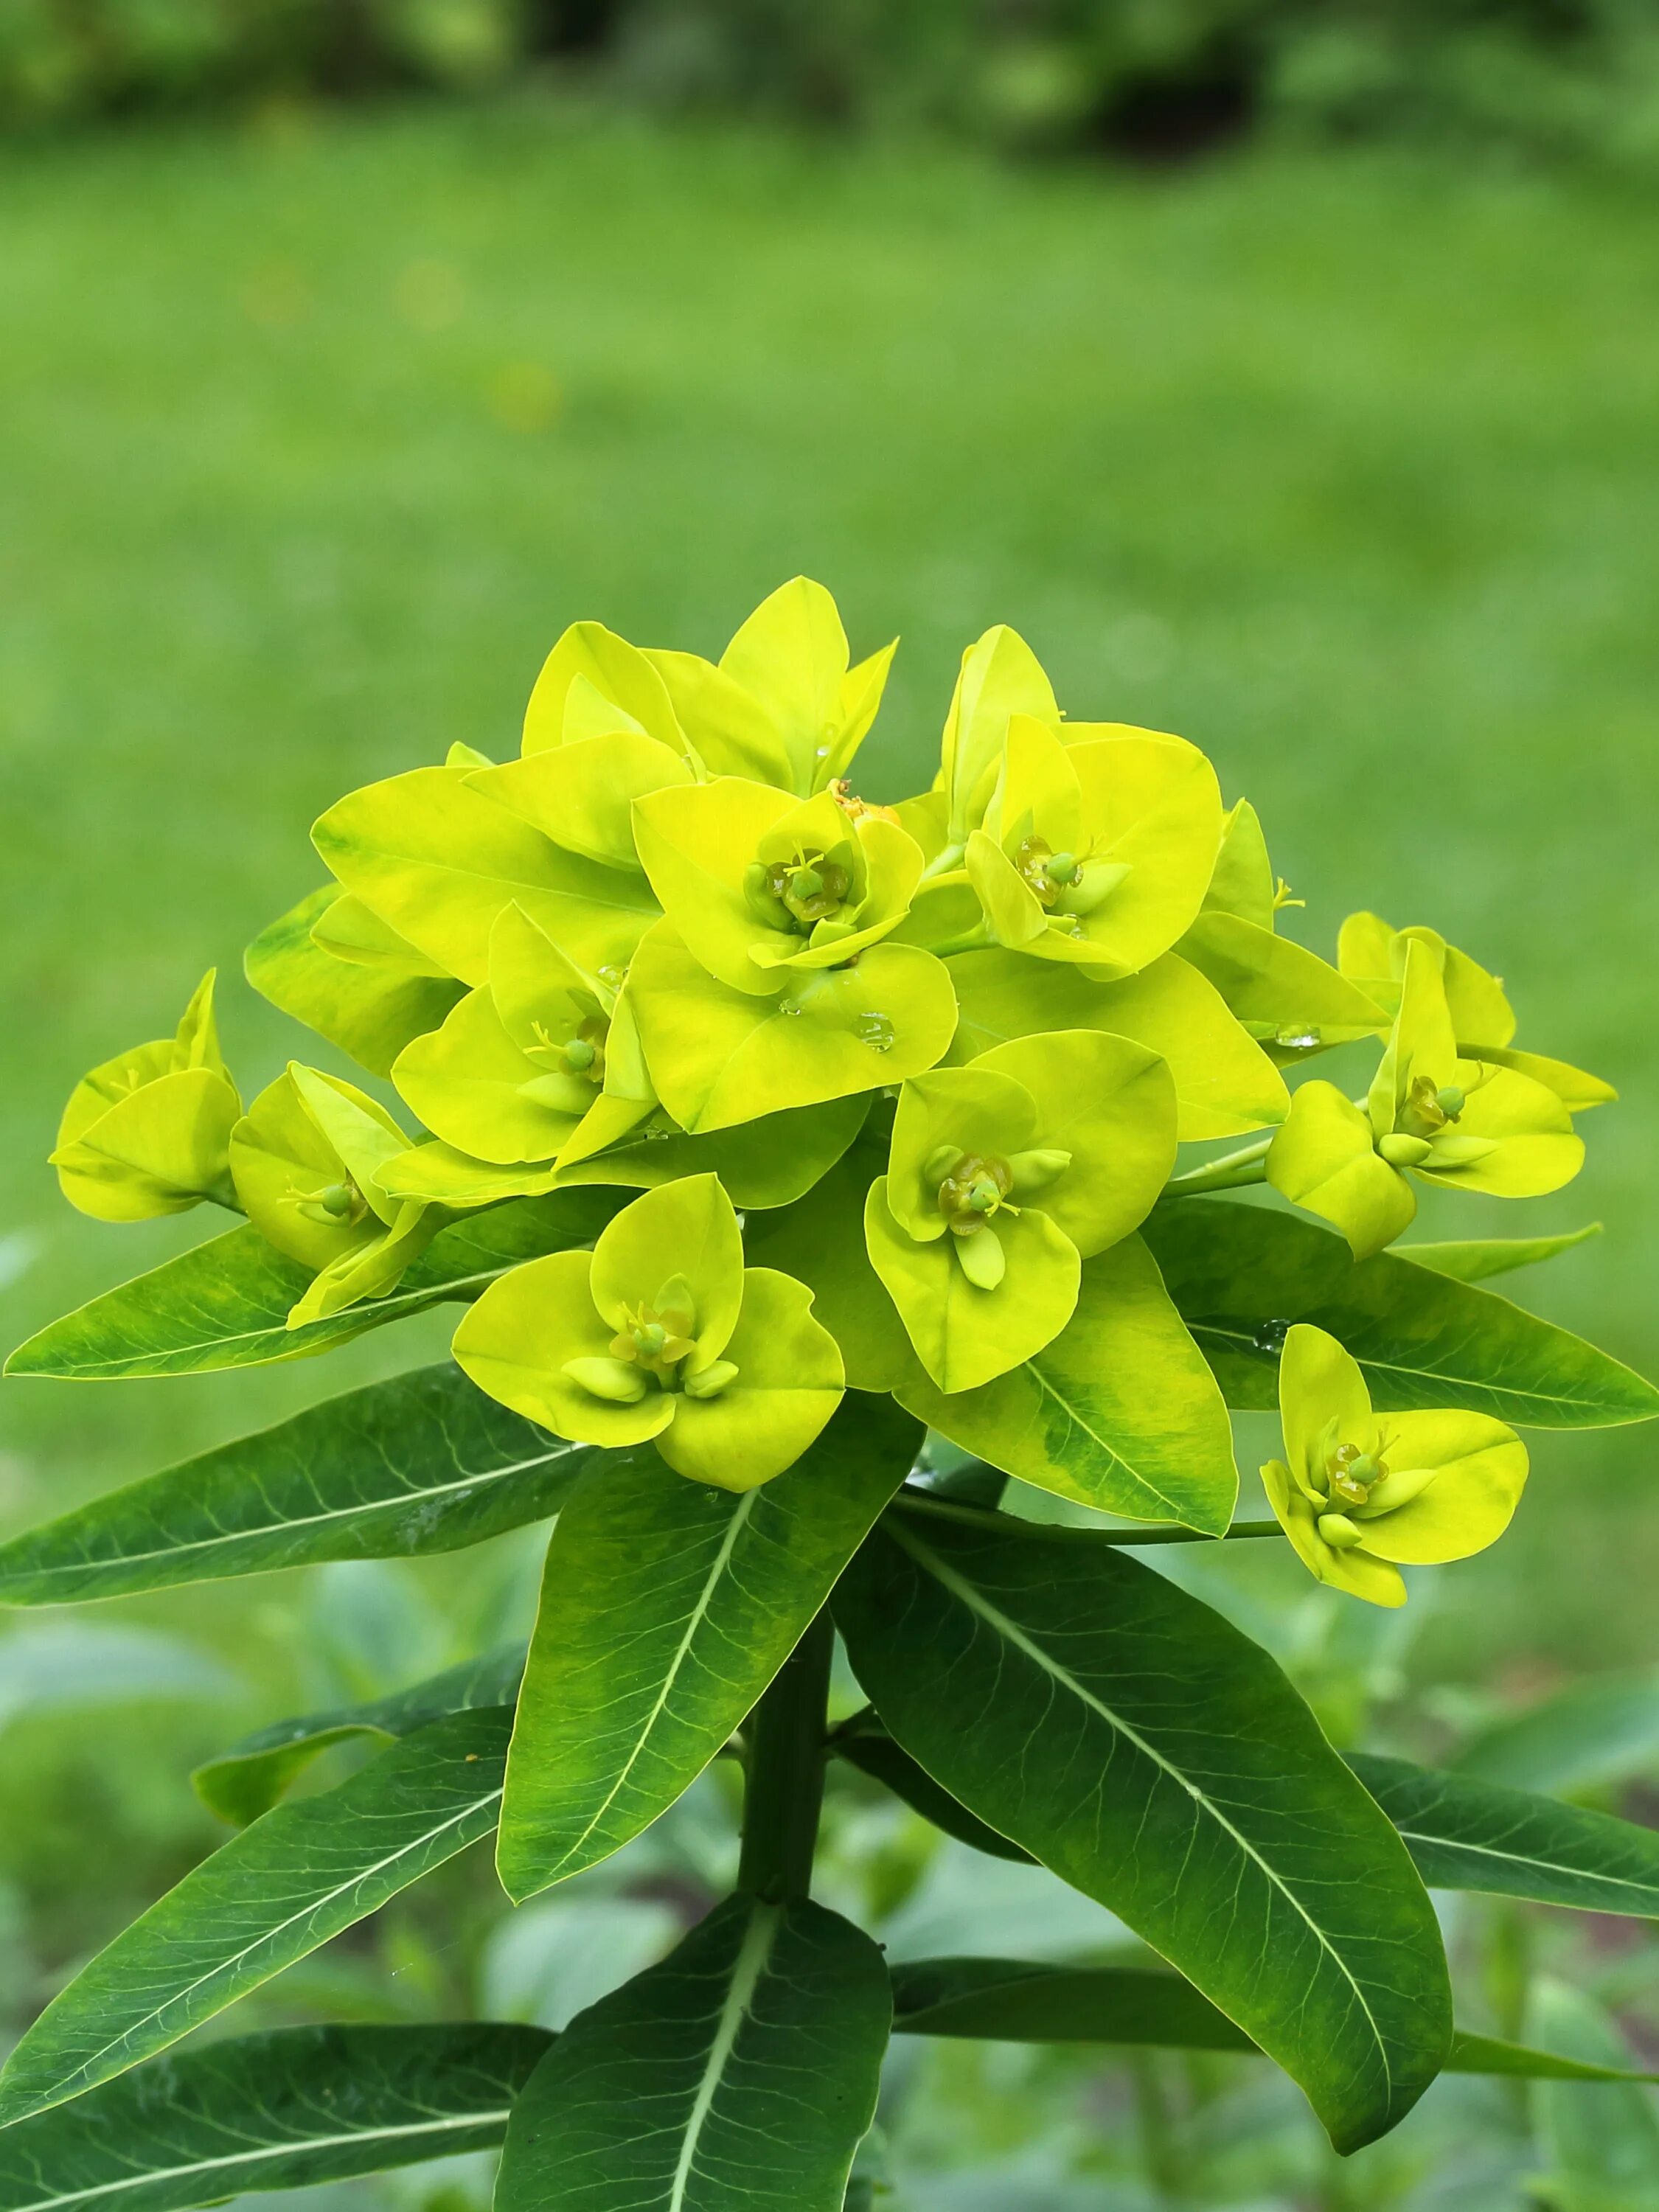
(661, 1333)
(1362, 1494)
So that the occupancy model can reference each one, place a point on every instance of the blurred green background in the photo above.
(317, 422)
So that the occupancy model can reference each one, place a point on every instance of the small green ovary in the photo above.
(335, 1206)
(802, 894)
(1069, 884)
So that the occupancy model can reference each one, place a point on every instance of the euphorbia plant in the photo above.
(809, 1169)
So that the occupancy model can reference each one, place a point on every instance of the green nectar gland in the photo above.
(337, 1205)
(797, 894)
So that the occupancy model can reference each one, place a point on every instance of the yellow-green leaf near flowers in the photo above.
(1464, 1124)
(1000, 677)
(768, 1163)
(1004, 1177)
(1360, 1496)
(438, 861)
(784, 705)
(370, 1010)
(594, 683)
(522, 1070)
(720, 1056)
(1482, 1019)
(581, 795)
(661, 1333)
(1244, 883)
(763, 888)
(1097, 851)
(148, 1132)
(305, 1157)
(1225, 1086)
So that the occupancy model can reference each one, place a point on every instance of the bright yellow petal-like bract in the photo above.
(1361, 1494)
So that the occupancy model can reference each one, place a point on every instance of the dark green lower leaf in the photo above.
(1008, 2000)
(1469, 1834)
(225, 1303)
(1149, 1753)
(284, 2111)
(1240, 1275)
(866, 1744)
(252, 1776)
(737, 2076)
(422, 1462)
(667, 1607)
(282, 1887)
(1476, 1259)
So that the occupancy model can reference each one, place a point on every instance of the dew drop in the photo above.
(875, 1030)
(1297, 1036)
(791, 1006)
(1268, 1337)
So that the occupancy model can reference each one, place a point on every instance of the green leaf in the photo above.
(272, 1894)
(1154, 1757)
(253, 1775)
(865, 1743)
(371, 1012)
(225, 1303)
(1240, 1274)
(422, 1462)
(1594, 1732)
(1603, 2144)
(1473, 1259)
(667, 1607)
(1468, 1834)
(741, 2072)
(1120, 1411)
(283, 2111)
(1009, 2001)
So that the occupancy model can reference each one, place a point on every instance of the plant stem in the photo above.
(783, 1783)
(1231, 1172)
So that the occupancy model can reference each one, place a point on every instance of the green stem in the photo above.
(783, 1783)
(977, 939)
(1010, 1524)
(1231, 1172)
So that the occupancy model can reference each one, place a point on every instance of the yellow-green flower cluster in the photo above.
(678, 946)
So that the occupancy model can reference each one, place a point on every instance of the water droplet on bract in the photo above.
(1297, 1036)
(655, 1131)
(1268, 1337)
(791, 1006)
(612, 976)
(875, 1030)
(824, 753)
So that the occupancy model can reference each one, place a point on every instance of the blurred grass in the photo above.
(311, 438)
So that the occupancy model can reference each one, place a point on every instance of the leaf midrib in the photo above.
(228, 1964)
(746, 1970)
(1245, 1340)
(281, 1528)
(1648, 1889)
(297, 2148)
(999, 1620)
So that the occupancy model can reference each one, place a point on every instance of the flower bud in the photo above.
(611, 1379)
(1403, 1152)
(983, 1260)
(1035, 1170)
(710, 1381)
(1338, 1532)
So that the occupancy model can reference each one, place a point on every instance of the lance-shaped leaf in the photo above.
(1592, 1733)
(1468, 1834)
(253, 1775)
(1120, 1411)
(422, 1462)
(741, 2071)
(1154, 1757)
(275, 1892)
(667, 1607)
(865, 1743)
(1472, 1259)
(1240, 1275)
(225, 1303)
(1010, 2000)
(287, 2110)
(1602, 2145)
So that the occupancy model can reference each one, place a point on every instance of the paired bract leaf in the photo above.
(282, 1887)
(1155, 1758)
(1240, 1275)
(370, 1010)
(288, 2110)
(716, 1589)
(742, 2070)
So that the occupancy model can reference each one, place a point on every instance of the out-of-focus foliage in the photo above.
(1154, 78)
